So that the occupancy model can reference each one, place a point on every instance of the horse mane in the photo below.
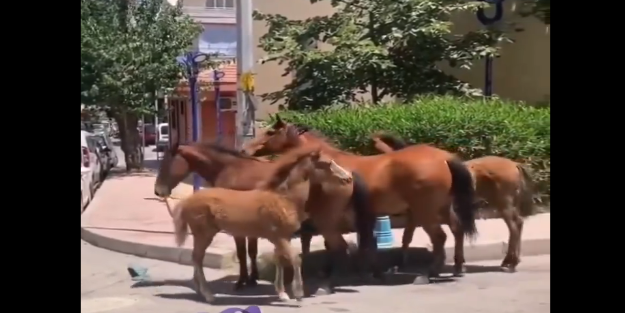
(212, 146)
(285, 166)
(303, 128)
(392, 141)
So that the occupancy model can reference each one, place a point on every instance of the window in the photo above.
(220, 4)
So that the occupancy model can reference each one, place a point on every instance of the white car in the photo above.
(85, 193)
(162, 137)
(89, 165)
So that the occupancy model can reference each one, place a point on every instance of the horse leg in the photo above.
(305, 239)
(335, 248)
(293, 259)
(406, 240)
(437, 238)
(510, 217)
(201, 241)
(243, 276)
(454, 225)
(252, 252)
(280, 257)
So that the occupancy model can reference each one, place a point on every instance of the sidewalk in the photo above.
(126, 217)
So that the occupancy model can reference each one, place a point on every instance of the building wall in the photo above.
(522, 73)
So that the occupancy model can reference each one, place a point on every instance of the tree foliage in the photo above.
(128, 51)
(379, 47)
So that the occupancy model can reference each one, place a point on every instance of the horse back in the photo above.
(495, 177)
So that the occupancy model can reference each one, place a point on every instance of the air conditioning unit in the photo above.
(227, 104)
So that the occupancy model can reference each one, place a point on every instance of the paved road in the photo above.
(106, 287)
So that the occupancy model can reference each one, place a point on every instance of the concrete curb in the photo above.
(214, 257)
(221, 259)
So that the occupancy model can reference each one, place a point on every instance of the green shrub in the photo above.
(471, 128)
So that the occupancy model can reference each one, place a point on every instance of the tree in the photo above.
(380, 47)
(128, 52)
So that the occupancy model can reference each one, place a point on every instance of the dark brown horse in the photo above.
(225, 168)
(420, 182)
(504, 184)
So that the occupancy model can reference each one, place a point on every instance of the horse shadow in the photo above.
(223, 288)
(350, 271)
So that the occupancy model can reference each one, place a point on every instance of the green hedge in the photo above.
(471, 128)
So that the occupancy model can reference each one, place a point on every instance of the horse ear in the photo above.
(292, 132)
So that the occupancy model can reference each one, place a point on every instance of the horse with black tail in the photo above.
(419, 182)
(504, 185)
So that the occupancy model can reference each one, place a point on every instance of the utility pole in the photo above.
(245, 64)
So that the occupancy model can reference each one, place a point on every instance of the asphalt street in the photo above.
(106, 287)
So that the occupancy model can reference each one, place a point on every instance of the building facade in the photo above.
(521, 73)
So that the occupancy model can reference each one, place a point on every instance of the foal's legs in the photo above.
(286, 256)
(201, 240)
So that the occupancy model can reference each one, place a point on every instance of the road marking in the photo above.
(96, 305)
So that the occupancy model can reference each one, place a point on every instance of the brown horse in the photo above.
(274, 211)
(222, 167)
(419, 182)
(504, 184)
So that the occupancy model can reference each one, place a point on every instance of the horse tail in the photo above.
(463, 191)
(363, 213)
(526, 192)
(181, 229)
(392, 141)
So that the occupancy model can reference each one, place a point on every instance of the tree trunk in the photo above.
(130, 141)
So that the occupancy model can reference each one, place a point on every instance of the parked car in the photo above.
(162, 137)
(85, 191)
(102, 153)
(106, 148)
(89, 162)
(150, 134)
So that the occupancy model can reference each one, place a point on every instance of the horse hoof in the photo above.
(251, 283)
(323, 291)
(239, 285)
(421, 280)
(283, 297)
(508, 269)
(459, 271)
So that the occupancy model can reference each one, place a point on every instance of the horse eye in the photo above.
(270, 132)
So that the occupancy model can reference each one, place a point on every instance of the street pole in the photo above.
(156, 123)
(192, 61)
(245, 65)
(217, 76)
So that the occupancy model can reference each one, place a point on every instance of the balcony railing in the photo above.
(209, 12)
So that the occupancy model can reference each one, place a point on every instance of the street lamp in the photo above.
(191, 62)
(217, 76)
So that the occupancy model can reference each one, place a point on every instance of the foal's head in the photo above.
(206, 159)
(306, 163)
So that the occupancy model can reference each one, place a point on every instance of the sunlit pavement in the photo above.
(106, 287)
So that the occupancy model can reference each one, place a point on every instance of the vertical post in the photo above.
(245, 64)
(488, 77)
(216, 80)
(156, 123)
(490, 21)
(195, 115)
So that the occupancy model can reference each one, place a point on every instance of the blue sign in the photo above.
(249, 309)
